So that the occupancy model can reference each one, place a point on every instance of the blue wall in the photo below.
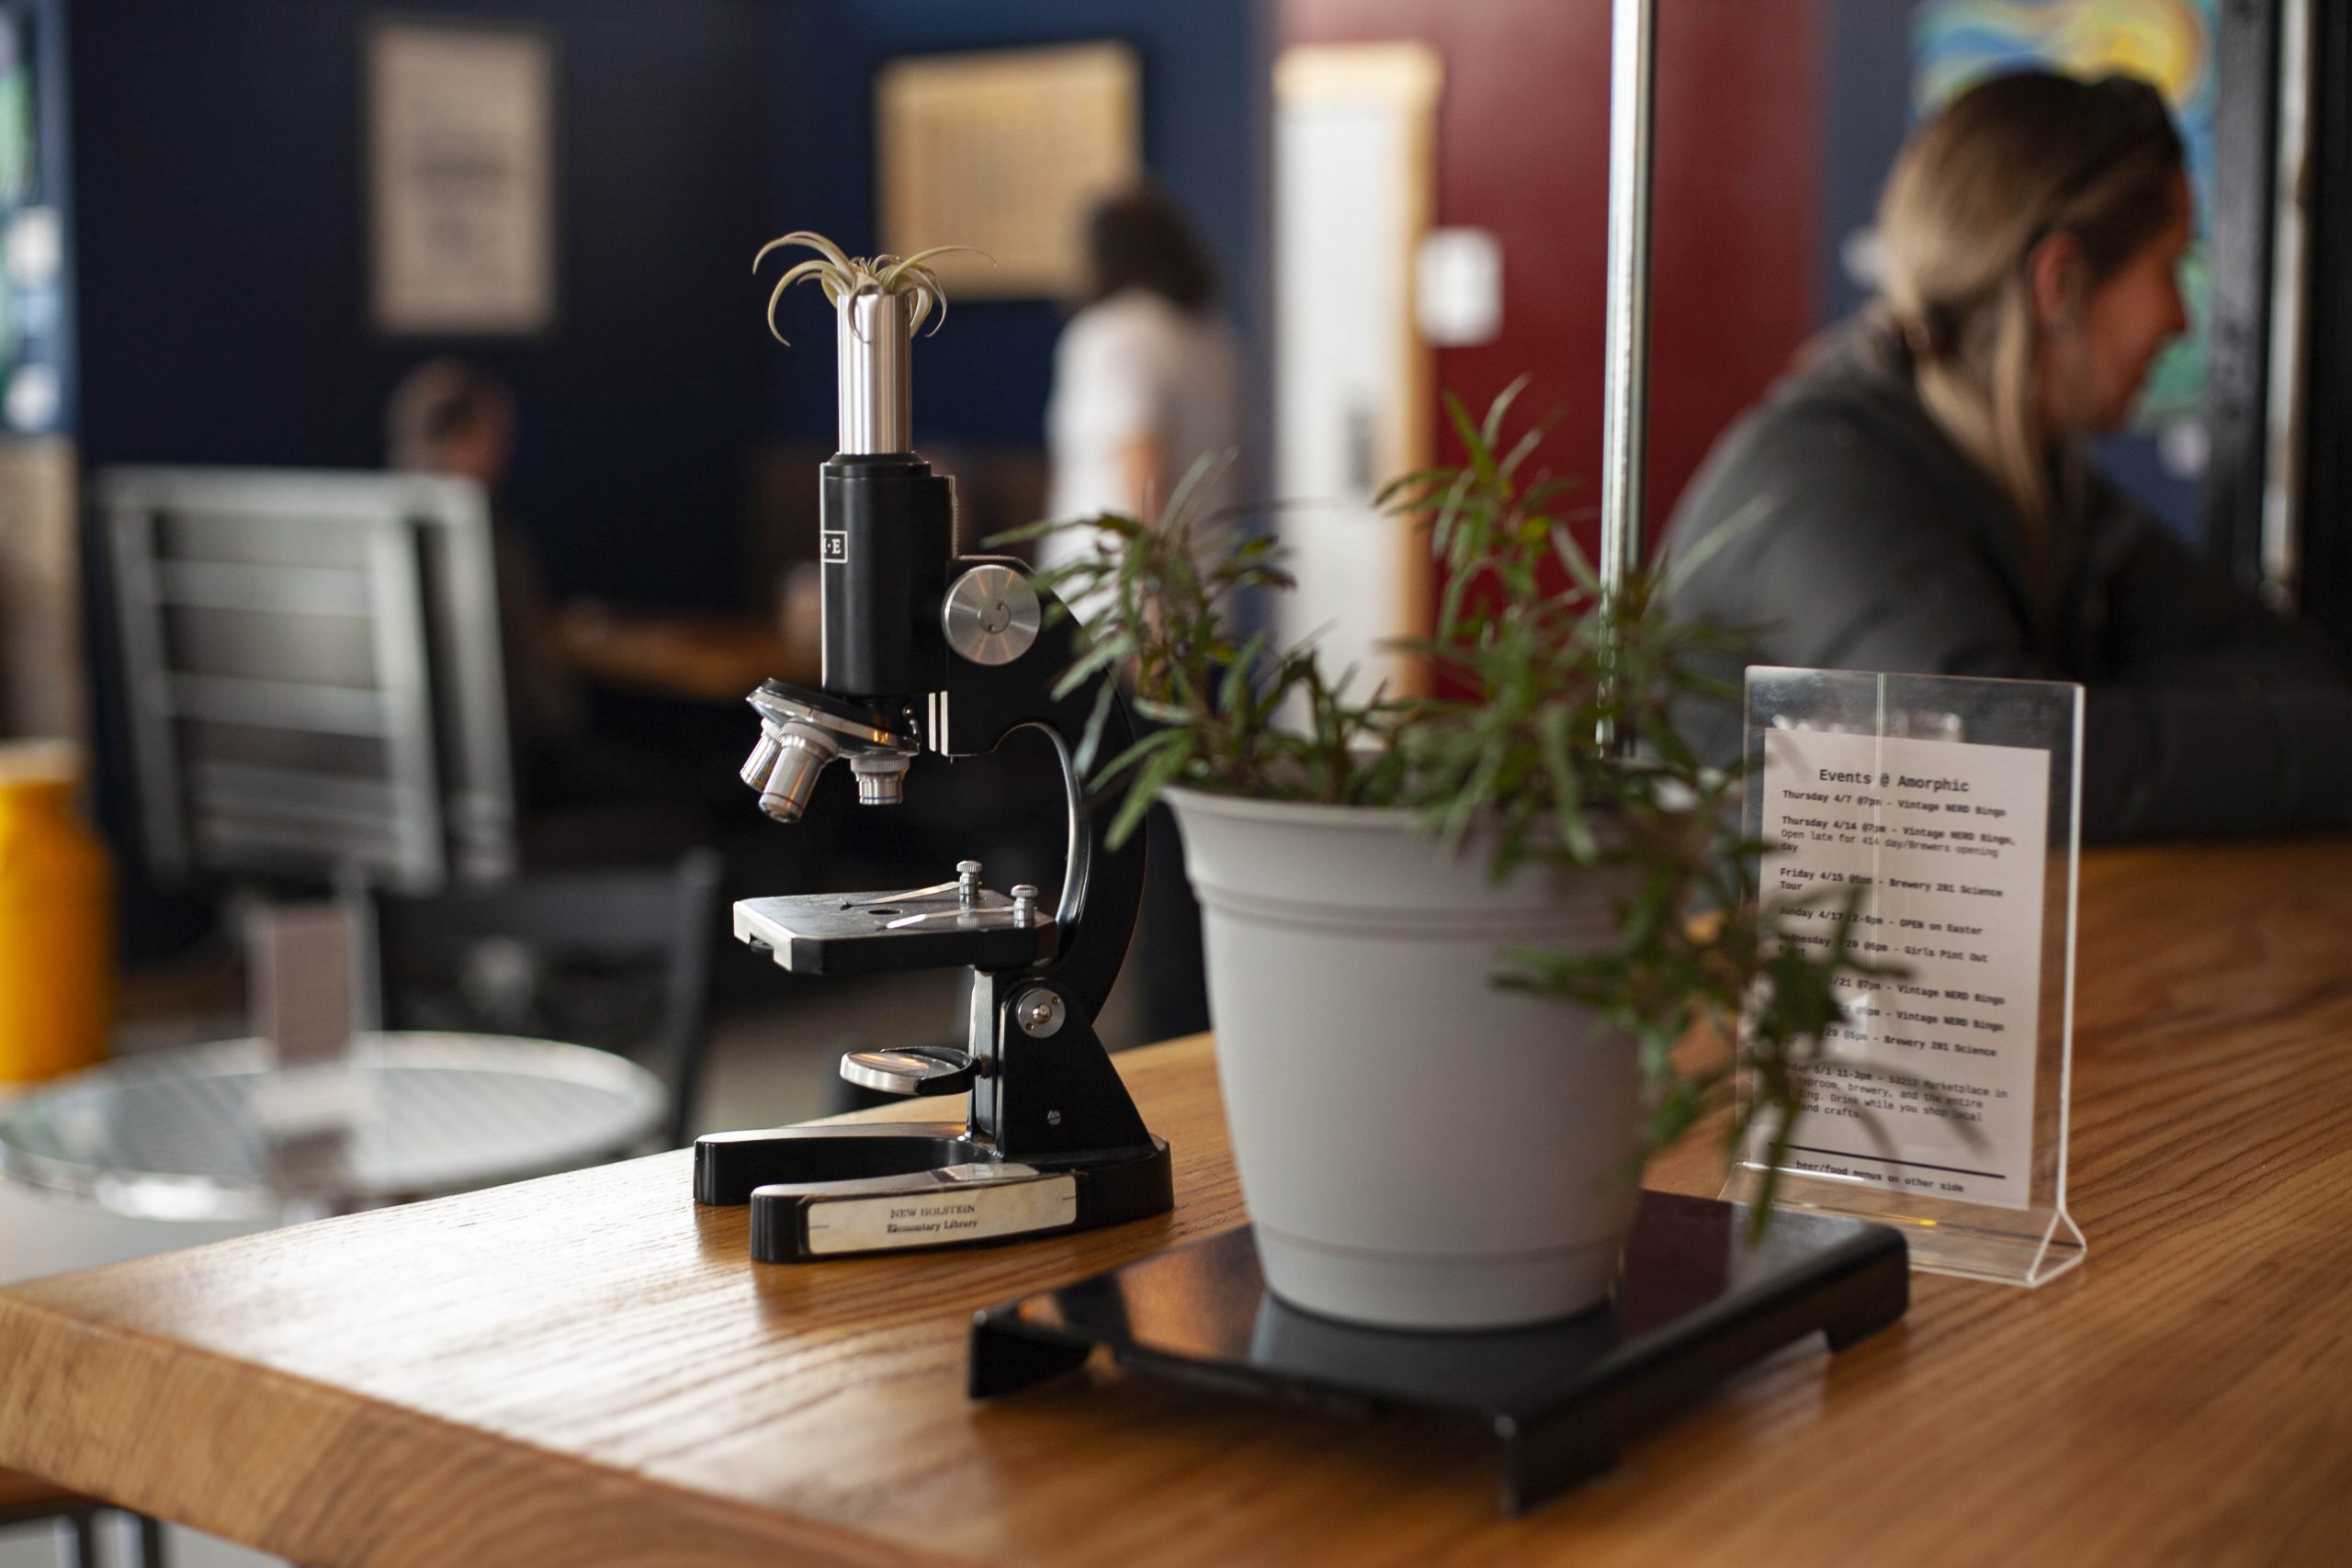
(219, 219)
(1866, 113)
(222, 232)
(219, 226)
(224, 306)
(1206, 83)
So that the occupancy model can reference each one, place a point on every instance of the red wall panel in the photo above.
(1523, 151)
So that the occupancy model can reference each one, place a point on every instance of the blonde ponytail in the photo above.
(2007, 164)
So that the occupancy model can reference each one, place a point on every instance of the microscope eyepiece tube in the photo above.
(871, 373)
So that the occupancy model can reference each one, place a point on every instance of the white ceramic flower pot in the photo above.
(1420, 1148)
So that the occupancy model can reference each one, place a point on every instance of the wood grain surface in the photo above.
(22, 1493)
(586, 1370)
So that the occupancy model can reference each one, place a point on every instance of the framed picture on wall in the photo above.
(460, 172)
(1005, 150)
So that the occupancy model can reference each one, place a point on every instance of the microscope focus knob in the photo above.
(1039, 1013)
(991, 614)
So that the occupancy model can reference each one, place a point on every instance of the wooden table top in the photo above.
(586, 1370)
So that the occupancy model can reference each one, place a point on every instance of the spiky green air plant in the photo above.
(841, 275)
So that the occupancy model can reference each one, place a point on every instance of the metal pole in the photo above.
(2290, 284)
(1632, 73)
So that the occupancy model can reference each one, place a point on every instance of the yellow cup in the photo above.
(56, 919)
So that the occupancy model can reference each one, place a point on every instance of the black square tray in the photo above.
(1694, 1302)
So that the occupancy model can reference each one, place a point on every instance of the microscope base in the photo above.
(821, 1192)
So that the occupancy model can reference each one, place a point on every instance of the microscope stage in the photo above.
(869, 933)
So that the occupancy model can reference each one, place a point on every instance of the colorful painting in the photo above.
(1955, 44)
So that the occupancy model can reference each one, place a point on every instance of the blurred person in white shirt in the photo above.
(1146, 376)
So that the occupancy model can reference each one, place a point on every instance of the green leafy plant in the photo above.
(1544, 678)
(841, 275)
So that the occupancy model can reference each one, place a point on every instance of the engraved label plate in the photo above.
(942, 1216)
(836, 544)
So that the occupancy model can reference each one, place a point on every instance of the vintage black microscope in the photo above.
(925, 649)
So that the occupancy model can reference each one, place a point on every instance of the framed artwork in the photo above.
(1005, 150)
(460, 170)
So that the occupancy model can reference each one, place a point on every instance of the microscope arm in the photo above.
(1102, 887)
(1044, 1084)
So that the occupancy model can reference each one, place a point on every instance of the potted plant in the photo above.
(1449, 943)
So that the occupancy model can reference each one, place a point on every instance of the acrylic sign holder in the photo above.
(1948, 810)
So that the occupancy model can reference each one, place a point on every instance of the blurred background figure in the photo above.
(1919, 496)
(447, 417)
(1146, 376)
(1146, 384)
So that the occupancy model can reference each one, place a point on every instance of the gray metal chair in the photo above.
(311, 669)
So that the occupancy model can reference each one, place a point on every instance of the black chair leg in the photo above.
(147, 1549)
(78, 1542)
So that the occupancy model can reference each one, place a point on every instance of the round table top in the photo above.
(226, 1132)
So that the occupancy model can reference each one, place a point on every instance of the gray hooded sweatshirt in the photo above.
(1866, 540)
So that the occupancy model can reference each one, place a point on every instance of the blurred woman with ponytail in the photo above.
(1918, 495)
